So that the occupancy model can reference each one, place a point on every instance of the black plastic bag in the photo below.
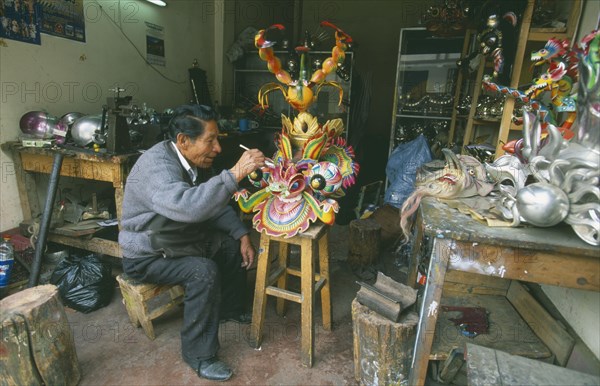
(84, 283)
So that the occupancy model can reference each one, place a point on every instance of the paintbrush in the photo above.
(268, 162)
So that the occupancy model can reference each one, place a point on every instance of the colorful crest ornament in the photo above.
(565, 170)
(313, 164)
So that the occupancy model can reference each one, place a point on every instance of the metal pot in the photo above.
(86, 130)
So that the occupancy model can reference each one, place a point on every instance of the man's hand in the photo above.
(247, 250)
(249, 161)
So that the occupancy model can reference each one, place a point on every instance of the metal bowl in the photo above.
(85, 129)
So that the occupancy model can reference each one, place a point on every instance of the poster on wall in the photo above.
(155, 44)
(64, 18)
(20, 20)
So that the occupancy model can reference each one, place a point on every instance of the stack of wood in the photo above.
(384, 335)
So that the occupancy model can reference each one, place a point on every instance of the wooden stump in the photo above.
(383, 350)
(365, 240)
(37, 345)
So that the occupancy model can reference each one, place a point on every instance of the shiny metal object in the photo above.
(64, 125)
(564, 170)
(86, 130)
(70, 118)
(542, 204)
(38, 124)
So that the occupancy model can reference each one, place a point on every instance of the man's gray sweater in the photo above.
(159, 185)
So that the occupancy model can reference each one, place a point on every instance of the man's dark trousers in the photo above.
(215, 287)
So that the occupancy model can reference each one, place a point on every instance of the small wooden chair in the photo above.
(137, 296)
(313, 239)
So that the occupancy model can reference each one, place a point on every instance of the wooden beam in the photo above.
(541, 322)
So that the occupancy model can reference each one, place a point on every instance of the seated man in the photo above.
(177, 228)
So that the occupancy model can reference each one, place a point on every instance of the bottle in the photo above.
(7, 259)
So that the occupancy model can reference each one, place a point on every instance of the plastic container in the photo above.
(7, 260)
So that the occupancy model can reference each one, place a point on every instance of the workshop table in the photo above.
(553, 256)
(77, 163)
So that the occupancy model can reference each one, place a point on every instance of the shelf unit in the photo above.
(426, 67)
(530, 39)
(251, 73)
(460, 79)
(538, 36)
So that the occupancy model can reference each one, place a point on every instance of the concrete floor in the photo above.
(112, 352)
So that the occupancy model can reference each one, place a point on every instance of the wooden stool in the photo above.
(137, 295)
(316, 235)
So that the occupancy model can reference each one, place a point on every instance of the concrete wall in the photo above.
(581, 309)
(62, 76)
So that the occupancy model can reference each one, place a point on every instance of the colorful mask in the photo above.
(557, 82)
(462, 176)
(313, 164)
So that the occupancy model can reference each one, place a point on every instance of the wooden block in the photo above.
(541, 322)
(389, 218)
(36, 345)
(364, 242)
(383, 350)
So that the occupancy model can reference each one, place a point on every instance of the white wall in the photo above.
(62, 76)
(581, 309)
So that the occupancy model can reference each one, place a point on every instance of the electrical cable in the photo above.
(135, 47)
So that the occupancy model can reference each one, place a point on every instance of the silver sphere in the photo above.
(84, 129)
(542, 204)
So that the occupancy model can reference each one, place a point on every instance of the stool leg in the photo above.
(282, 282)
(324, 273)
(129, 300)
(308, 289)
(143, 317)
(260, 297)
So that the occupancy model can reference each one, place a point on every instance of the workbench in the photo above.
(456, 243)
(77, 163)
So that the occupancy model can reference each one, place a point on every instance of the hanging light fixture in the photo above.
(160, 3)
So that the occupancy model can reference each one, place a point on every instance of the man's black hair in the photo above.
(190, 120)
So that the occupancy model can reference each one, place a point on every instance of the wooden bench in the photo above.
(137, 297)
(486, 366)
